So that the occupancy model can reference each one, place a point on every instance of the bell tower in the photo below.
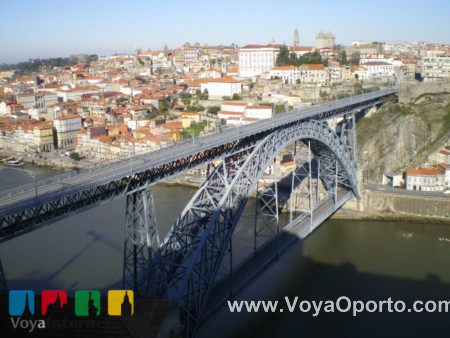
(296, 39)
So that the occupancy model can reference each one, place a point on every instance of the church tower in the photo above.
(296, 39)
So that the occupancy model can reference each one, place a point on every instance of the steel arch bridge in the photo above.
(189, 262)
(189, 267)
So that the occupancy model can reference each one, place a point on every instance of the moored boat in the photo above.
(14, 163)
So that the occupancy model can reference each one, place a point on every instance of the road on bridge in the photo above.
(249, 268)
(24, 198)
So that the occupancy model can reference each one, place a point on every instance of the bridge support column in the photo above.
(141, 240)
(3, 284)
(302, 190)
(266, 210)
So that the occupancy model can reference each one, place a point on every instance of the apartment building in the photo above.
(221, 87)
(67, 128)
(436, 67)
(288, 74)
(425, 179)
(257, 59)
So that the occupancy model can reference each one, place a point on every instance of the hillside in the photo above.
(402, 135)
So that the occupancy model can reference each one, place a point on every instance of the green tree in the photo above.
(195, 108)
(213, 110)
(186, 101)
(236, 97)
(74, 156)
(164, 106)
(279, 108)
(283, 57)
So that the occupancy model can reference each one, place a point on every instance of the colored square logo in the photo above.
(120, 302)
(53, 301)
(87, 303)
(21, 302)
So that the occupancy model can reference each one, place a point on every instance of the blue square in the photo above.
(21, 302)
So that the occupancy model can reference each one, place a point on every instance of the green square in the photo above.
(87, 303)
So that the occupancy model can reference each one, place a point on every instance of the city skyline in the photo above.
(59, 29)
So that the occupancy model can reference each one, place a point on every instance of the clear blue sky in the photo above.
(52, 28)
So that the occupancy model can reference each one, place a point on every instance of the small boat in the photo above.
(14, 163)
(9, 158)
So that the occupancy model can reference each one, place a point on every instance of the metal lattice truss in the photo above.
(186, 265)
(301, 183)
(49, 202)
(72, 199)
(266, 205)
(141, 240)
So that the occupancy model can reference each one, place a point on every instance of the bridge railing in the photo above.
(37, 183)
(190, 146)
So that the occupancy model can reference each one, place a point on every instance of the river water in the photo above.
(358, 259)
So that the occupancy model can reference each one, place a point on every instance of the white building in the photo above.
(239, 113)
(301, 50)
(75, 94)
(67, 128)
(258, 112)
(224, 86)
(39, 100)
(379, 69)
(233, 106)
(445, 168)
(289, 74)
(375, 57)
(232, 118)
(393, 180)
(313, 73)
(435, 68)
(425, 179)
(443, 156)
(257, 59)
(191, 54)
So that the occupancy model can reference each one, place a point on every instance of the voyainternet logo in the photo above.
(57, 310)
(22, 303)
(53, 301)
(87, 303)
(120, 302)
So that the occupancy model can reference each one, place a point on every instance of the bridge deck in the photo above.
(250, 268)
(24, 207)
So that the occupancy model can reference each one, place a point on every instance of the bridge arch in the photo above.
(185, 266)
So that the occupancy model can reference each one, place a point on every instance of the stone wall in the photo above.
(410, 91)
(385, 205)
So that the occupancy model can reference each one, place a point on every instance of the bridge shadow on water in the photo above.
(296, 275)
(39, 280)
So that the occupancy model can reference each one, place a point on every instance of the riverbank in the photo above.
(398, 206)
(352, 215)
(51, 160)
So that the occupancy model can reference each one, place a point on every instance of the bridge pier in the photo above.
(141, 240)
(266, 211)
(3, 284)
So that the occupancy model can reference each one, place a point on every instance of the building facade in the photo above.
(289, 74)
(425, 179)
(435, 68)
(221, 87)
(325, 40)
(257, 59)
(67, 128)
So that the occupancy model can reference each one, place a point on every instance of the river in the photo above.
(358, 259)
